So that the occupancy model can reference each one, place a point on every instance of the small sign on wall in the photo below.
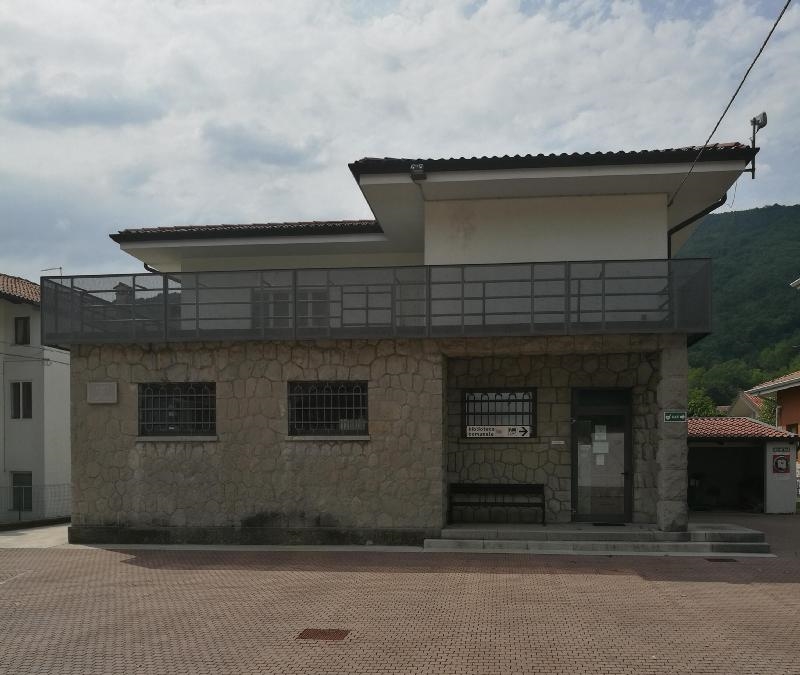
(499, 432)
(674, 415)
(781, 462)
(101, 392)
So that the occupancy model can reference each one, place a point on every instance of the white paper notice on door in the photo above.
(599, 432)
(600, 447)
(600, 460)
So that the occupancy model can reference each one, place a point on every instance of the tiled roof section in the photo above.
(717, 152)
(755, 401)
(733, 427)
(782, 382)
(295, 229)
(17, 289)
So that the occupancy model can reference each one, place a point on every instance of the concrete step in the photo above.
(598, 547)
(604, 535)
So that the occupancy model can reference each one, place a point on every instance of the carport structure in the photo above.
(738, 463)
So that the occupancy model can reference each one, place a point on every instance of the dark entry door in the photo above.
(601, 456)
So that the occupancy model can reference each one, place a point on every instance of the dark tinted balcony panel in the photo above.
(497, 272)
(549, 271)
(473, 300)
(449, 274)
(507, 289)
(312, 278)
(447, 291)
(443, 307)
(581, 287)
(643, 284)
(586, 270)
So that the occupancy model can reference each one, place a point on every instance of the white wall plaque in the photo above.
(499, 432)
(101, 392)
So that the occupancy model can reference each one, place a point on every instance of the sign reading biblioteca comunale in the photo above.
(499, 432)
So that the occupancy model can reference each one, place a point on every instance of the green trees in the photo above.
(700, 404)
(767, 412)
(756, 315)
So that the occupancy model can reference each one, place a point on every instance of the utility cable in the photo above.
(19, 358)
(730, 103)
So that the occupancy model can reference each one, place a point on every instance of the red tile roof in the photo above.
(733, 427)
(17, 289)
(755, 401)
(782, 382)
(716, 152)
(292, 229)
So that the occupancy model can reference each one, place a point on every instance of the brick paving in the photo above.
(81, 610)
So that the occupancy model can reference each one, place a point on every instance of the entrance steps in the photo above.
(586, 539)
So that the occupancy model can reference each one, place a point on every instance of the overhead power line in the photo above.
(730, 103)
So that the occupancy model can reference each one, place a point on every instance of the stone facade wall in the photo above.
(673, 455)
(255, 479)
(547, 457)
(254, 474)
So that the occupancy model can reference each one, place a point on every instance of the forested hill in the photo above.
(756, 254)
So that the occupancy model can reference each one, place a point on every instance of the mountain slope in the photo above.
(756, 313)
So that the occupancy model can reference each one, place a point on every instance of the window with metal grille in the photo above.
(21, 400)
(22, 491)
(177, 409)
(327, 408)
(22, 330)
(499, 413)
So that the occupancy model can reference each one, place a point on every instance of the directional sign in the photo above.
(499, 432)
(674, 415)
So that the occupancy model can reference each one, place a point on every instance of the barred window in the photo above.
(327, 408)
(22, 491)
(500, 413)
(177, 409)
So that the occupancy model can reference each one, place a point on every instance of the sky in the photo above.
(138, 113)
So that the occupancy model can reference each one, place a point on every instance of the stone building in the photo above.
(507, 321)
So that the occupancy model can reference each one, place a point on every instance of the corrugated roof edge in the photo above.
(718, 152)
(309, 228)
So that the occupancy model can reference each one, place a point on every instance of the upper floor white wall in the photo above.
(312, 260)
(545, 229)
(8, 312)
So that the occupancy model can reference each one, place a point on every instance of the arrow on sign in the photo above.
(524, 431)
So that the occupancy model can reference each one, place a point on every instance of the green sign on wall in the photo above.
(674, 415)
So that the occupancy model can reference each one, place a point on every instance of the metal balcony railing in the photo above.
(561, 298)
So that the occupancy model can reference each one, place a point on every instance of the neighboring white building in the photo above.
(34, 400)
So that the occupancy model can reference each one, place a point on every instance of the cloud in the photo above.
(238, 144)
(29, 102)
(46, 223)
(158, 113)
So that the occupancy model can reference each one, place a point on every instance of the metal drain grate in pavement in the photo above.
(722, 560)
(323, 634)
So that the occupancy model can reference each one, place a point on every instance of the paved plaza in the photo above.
(66, 609)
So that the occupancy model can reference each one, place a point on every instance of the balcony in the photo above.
(563, 298)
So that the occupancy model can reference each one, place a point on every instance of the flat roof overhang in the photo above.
(169, 254)
(398, 201)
